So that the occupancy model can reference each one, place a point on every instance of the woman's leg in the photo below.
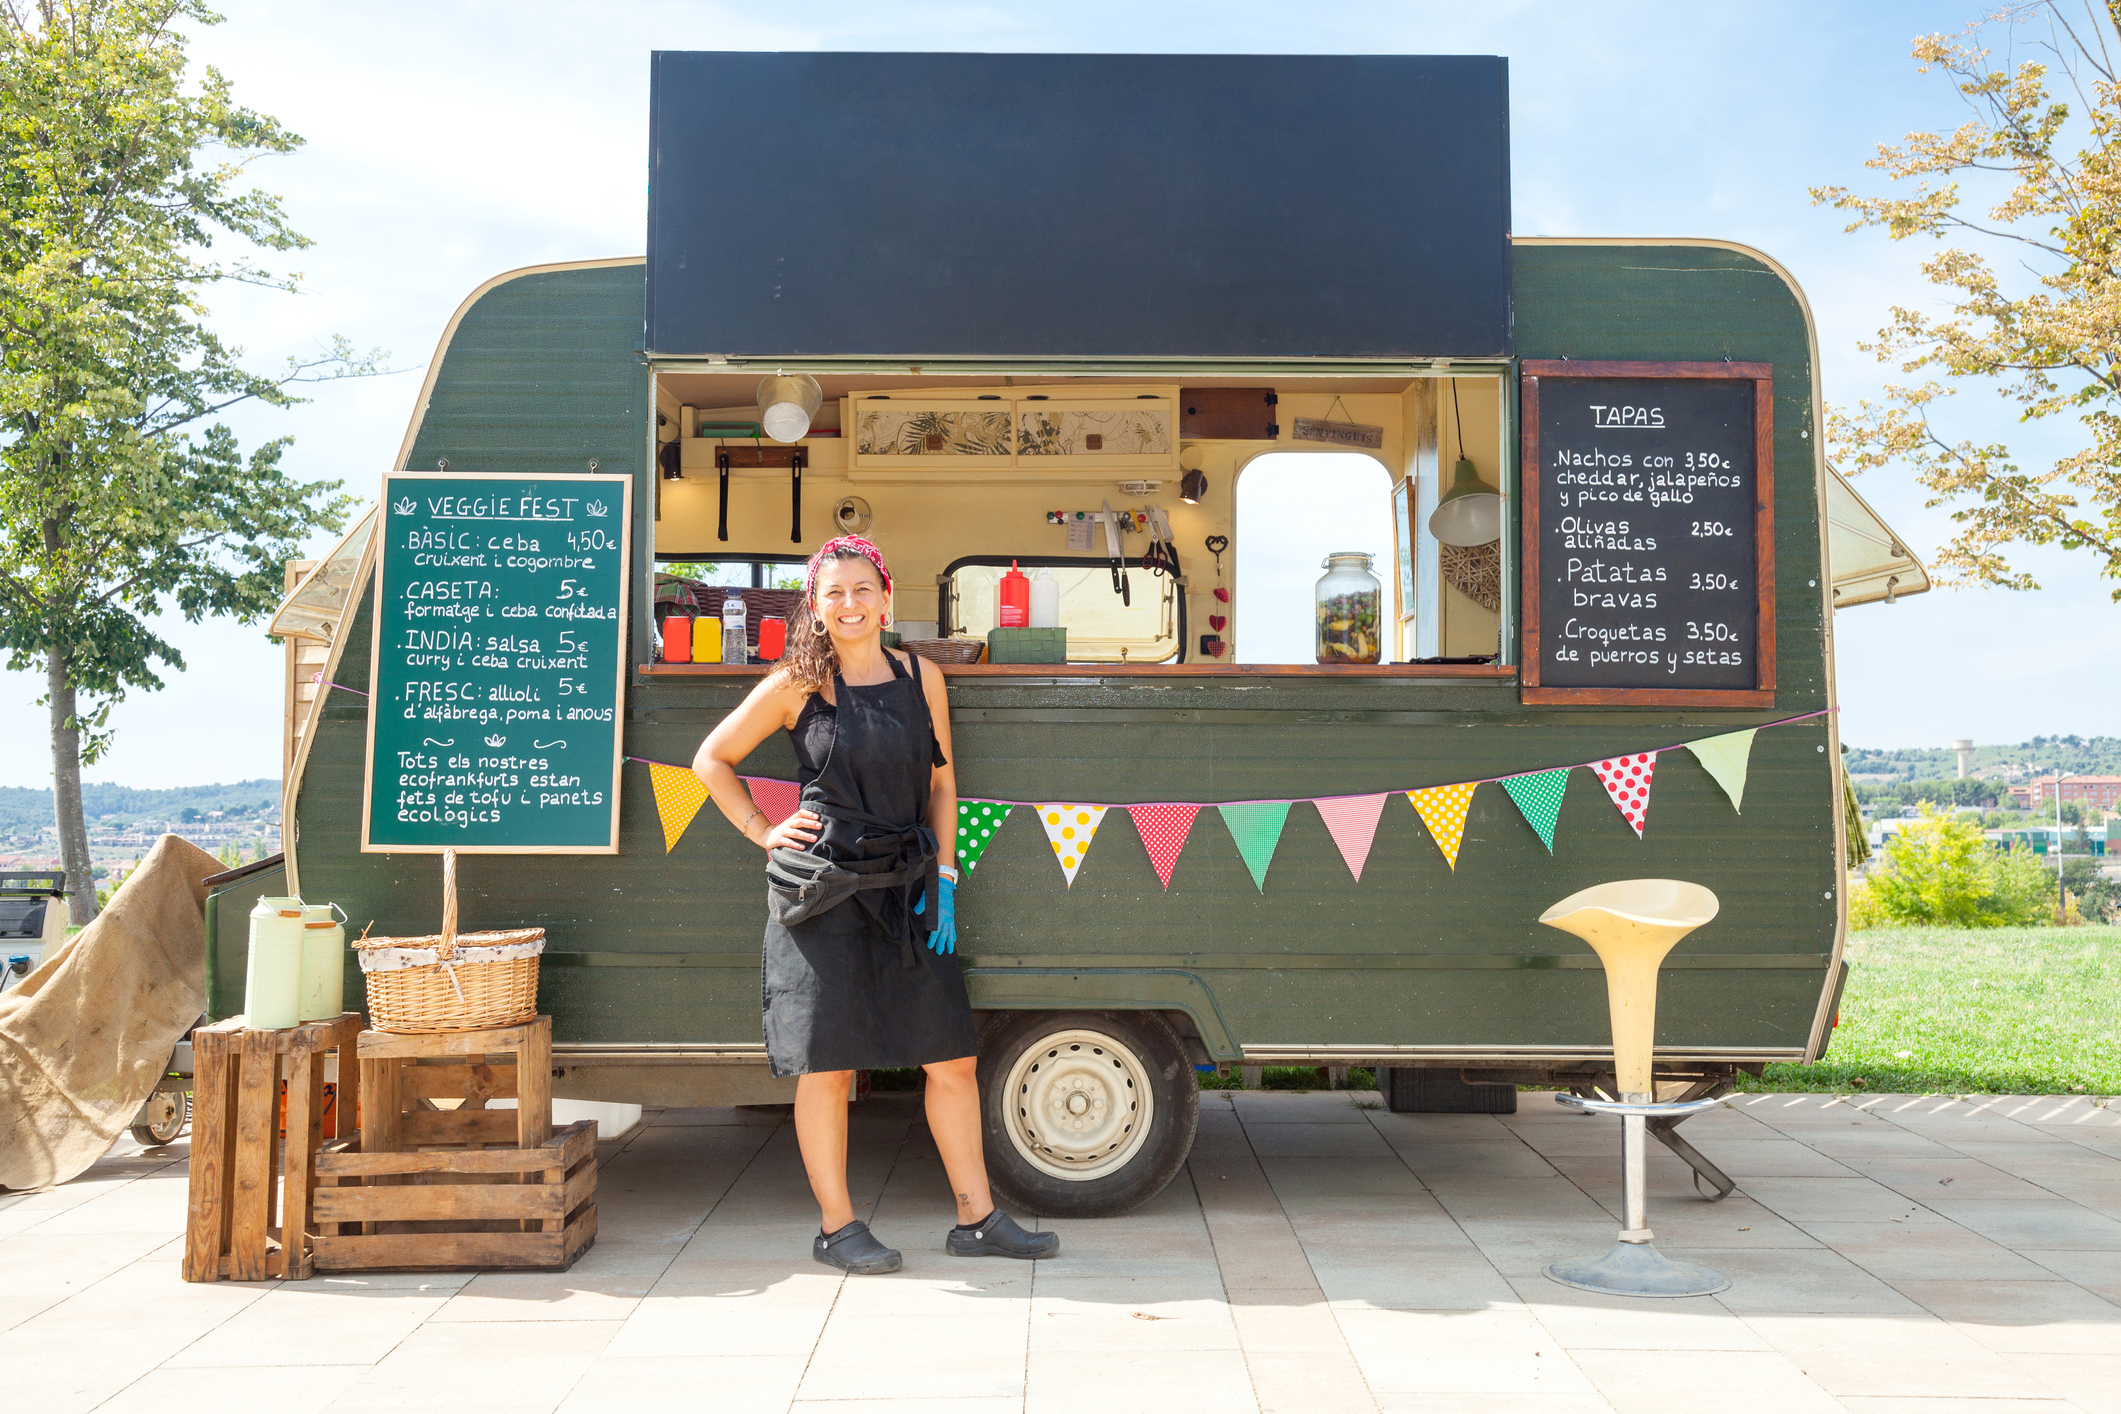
(953, 1118)
(821, 1133)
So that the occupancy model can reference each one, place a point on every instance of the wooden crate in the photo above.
(251, 1193)
(450, 1210)
(403, 1076)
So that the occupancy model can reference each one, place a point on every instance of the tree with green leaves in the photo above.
(2041, 330)
(121, 496)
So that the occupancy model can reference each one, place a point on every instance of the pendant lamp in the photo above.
(787, 402)
(1470, 512)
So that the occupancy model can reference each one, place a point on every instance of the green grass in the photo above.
(1973, 1011)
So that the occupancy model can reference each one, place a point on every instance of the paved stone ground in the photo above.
(1895, 1255)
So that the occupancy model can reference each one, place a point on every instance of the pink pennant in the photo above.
(778, 799)
(1352, 821)
(1163, 830)
(1627, 781)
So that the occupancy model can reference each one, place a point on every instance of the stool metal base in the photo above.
(1637, 1269)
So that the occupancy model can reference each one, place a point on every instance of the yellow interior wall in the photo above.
(1467, 627)
(923, 526)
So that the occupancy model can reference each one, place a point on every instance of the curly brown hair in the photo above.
(811, 661)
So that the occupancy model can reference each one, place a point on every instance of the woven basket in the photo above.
(947, 650)
(474, 982)
(451, 981)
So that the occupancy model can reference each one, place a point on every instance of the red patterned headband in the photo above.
(857, 545)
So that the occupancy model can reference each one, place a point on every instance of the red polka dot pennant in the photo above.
(1627, 780)
(779, 799)
(1163, 830)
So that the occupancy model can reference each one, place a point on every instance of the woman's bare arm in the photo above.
(942, 786)
(772, 706)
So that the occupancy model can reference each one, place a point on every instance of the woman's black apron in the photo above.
(849, 982)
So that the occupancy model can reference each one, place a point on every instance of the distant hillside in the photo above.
(22, 808)
(2095, 755)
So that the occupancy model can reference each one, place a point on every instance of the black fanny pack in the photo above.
(801, 885)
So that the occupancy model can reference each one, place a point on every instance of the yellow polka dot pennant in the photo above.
(1443, 810)
(679, 794)
(1070, 828)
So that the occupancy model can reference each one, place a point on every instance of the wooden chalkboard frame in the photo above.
(1762, 377)
(624, 486)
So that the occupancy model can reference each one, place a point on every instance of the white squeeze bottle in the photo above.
(1045, 600)
(733, 646)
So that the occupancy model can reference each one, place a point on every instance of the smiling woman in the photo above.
(856, 883)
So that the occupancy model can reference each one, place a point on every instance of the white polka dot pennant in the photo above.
(1627, 781)
(1070, 828)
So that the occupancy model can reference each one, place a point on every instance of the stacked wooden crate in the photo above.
(436, 1186)
(251, 1194)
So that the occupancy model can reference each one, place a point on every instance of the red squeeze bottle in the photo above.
(677, 638)
(773, 639)
(1016, 599)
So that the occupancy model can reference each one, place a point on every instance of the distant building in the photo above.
(2101, 791)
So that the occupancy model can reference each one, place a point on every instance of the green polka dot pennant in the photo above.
(1538, 798)
(977, 821)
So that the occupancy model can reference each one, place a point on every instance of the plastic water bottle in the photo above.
(733, 647)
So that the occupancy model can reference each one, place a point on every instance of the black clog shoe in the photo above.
(997, 1235)
(855, 1249)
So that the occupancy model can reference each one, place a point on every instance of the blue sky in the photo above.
(452, 141)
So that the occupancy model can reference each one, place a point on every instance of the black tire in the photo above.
(1440, 1090)
(154, 1136)
(1140, 1064)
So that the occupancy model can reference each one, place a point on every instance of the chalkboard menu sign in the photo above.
(1649, 549)
(496, 681)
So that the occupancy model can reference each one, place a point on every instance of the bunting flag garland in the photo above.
(1538, 796)
(1071, 828)
(679, 795)
(1256, 826)
(1443, 810)
(779, 799)
(977, 820)
(1352, 822)
(1163, 829)
(1627, 781)
(1726, 758)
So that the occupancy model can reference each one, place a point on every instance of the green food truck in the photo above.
(1049, 311)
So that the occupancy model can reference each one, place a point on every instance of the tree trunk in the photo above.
(66, 792)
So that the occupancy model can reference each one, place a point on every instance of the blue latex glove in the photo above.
(944, 938)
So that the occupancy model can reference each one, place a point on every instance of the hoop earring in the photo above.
(817, 628)
(886, 623)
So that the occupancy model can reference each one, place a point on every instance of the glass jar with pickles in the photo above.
(1350, 601)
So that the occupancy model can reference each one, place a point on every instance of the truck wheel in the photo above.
(1087, 1114)
(170, 1118)
(1440, 1090)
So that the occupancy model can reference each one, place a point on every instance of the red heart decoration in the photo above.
(1218, 647)
(1222, 595)
(1216, 622)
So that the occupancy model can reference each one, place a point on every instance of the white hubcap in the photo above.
(1081, 1105)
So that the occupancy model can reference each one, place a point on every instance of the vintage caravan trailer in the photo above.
(1028, 287)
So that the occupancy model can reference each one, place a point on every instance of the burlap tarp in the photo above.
(84, 1038)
